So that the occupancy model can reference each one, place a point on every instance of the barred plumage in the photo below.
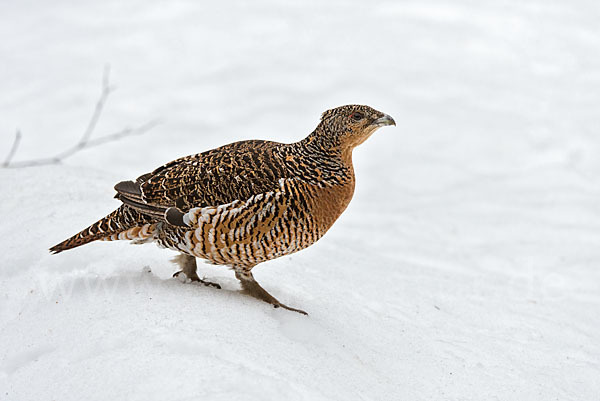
(243, 203)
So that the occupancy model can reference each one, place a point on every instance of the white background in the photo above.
(465, 268)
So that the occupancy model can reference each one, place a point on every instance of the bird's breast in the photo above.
(328, 202)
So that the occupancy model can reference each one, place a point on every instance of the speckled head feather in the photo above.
(349, 126)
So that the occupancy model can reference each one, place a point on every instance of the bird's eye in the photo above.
(357, 116)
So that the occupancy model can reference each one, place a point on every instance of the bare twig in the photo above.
(106, 90)
(85, 141)
(142, 129)
(13, 149)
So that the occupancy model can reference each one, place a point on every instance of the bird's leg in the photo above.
(252, 288)
(188, 267)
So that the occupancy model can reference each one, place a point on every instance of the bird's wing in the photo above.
(220, 176)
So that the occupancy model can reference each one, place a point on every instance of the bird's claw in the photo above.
(196, 279)
(210, 284)
(289, 308)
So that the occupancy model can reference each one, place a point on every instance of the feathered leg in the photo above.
(252, 288)
(189, 267)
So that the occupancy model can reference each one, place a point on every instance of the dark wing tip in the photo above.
(128, 187)
(174, 217)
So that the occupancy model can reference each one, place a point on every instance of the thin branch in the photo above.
(106, 90)
(86, 140)
(142, 129)
(13, 149)
(34, 162)
(89, 144)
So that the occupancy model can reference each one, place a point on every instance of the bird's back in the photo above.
(231, 172)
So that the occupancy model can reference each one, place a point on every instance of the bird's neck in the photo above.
(325, 144)
(321, 158)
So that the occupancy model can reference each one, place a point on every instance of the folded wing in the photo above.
(232, 172)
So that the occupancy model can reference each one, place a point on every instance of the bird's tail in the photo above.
(124, 223)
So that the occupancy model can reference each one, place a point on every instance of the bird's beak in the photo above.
(383, 121)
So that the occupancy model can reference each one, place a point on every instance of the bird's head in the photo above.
(349, 126)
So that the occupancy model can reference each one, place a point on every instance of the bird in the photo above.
(244, 203)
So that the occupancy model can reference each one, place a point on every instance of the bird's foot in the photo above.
(196, 279)
(252, 288)
(210, 284)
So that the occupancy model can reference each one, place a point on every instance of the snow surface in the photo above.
(465, 268)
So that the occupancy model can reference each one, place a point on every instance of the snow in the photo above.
(466, 266)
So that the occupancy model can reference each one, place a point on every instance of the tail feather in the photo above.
(123, 223)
